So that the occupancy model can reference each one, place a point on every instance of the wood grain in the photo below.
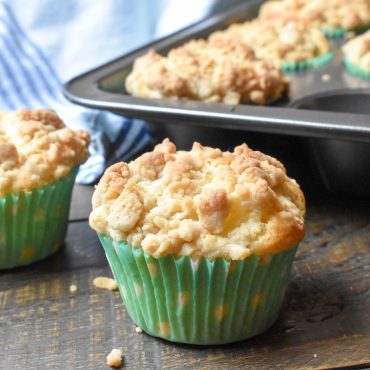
(324, 324)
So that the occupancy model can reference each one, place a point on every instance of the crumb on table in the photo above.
(325, 77)
(138, 329)
(73, 288)
(114, 359)
(105, 283)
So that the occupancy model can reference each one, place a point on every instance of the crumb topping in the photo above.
(203, 202)
(198, 70)
(278, 40)
(357, 51)
(105, 283)
(328, 14)
(36, 148)
(114, 359)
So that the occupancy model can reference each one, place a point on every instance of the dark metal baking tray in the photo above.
(103, 88)
(186, 121)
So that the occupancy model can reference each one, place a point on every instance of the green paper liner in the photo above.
(356, 71)
(33, 224)
(339, 33)
(199, 302)
(291, 67)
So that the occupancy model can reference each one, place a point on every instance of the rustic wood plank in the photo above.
(325, 322)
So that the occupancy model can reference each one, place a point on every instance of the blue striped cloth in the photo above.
(28, 80)
(77, 35)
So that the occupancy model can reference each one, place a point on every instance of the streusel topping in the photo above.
(328, 14)
(36, 148)
(200, 71)
(357, 51)
(278, 41)
(203, 202)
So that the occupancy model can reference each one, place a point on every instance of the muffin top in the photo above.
(278, 40)
(328, 14)
(357, 51)
(36, 148)
(199, 71)
(200, 203)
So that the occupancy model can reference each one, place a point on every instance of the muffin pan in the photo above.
(103, 88)
(343, 165)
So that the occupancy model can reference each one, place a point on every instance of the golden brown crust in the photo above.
(357, 51)
(328, 14)
(36, 148)
(204, 202)
(197, 70)
(40, 115)
(277, 41)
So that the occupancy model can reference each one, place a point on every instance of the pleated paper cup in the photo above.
(339, 32)
(291, 67)
(355, 70)
(199, 301)
(33, 224)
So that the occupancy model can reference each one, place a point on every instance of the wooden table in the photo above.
(324, 324)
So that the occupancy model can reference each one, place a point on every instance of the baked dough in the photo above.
(357, 51)
(275, 41)
(36, 148)
(200, 71)
(326, 14)
(203, 202)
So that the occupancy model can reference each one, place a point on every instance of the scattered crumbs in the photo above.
(114, 359)
(325, 77)
(314, 355)
(105, 283)
(289, 326)
(73, 288)
(138, 329)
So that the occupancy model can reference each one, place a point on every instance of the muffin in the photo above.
(334, 17)
(357, 55)
(293, 45)
(200, 71)
(39, 158)
(200, 242)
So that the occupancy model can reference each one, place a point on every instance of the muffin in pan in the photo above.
(39, 158)
(200, 71)
(201, 242)
(294, 45)
(334, 17)
(357, 55)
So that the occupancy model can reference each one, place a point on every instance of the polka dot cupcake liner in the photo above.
(33, 224)
(339, 33)
(291, 67)
(199, 301)
(356, 71)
